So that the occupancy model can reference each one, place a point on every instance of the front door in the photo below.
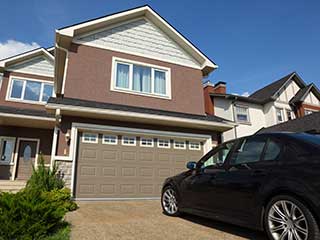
(26, 159)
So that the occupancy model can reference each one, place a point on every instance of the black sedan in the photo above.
(268, 182)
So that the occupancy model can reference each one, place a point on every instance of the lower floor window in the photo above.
(163, 143)
(7, 145)
(130, 141)
(110, 139)
(180, 144)
(194, 146)
(146, 142)
(90, 138)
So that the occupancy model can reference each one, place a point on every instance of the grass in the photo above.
(62, 233)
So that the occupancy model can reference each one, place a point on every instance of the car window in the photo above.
(219, 156)
(273, 150)
(248, 151)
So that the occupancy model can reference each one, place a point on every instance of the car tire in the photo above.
(289, 216)
(169, 201)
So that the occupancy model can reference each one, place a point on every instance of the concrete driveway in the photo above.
(145, 220)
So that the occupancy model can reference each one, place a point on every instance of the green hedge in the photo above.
(38, 210)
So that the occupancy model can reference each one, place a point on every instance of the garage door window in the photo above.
(90, 138)
(146, 142)
(128, 141)
(179, 144)
(194, 146)
(110, 139)
(163, 143)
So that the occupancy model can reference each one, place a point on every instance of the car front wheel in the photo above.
(169, 201)
(289, 219)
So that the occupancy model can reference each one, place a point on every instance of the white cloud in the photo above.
(13, 47)
(245, 94)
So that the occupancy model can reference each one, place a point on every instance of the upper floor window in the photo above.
(242, 114)
(279, 114)
(33, 91)
(140, 78)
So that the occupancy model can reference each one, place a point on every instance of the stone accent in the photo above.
(65, 171)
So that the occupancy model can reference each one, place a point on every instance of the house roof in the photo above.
(237, 97)
(87, 106)
(25, 112)
(269, 92)
(303, 93)
(309, 123)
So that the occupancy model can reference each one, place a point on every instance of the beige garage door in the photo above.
(129, 166)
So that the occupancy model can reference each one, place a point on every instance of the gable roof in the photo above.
(237, 98)
(6, 62)
(269, 92)
(303, 93)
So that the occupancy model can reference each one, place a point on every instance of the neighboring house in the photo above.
(128, 107)
(308, 123)
(280, 101)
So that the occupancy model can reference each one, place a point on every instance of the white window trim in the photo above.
(144, 138)
(195, 149)
(86, 141)
(235, 113)
(113, 87)
(282, 115)
(167, 147)
(110, 143)
(1, 80)
(11, 161)
(128, 144)
(24, 79)
(175, 147)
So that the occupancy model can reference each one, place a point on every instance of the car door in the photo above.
(247, 170)
(197, 188)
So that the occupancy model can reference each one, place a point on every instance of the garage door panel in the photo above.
(120, 171)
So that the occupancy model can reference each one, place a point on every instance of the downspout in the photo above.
(234, 118)
(65, 67)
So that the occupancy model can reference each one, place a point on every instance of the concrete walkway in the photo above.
(144, 220)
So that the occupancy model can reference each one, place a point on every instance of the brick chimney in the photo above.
(208, 87)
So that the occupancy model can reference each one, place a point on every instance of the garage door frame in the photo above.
(76, 127)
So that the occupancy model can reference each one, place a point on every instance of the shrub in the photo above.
(62, 197)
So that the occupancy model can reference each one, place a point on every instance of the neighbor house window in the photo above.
(90, 138)
(290, 115)
(129, 141)
(163, 143)
(279, 115)
(110, 139)
(242, 114)
(7, 145)
(30, 90)
(141, 78)
(146, 142)
(194, 146)
(179, 145)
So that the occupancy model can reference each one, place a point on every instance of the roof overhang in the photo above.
(118, 115)
(64, 38)
(21, 120)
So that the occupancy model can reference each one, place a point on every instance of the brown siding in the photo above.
(89, 78)
(302, 107)
(63, 147)
(3, 91)
(44, 135)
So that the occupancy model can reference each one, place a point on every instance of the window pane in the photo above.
(32, 91)
(218, 157)
(159, 82)
(279, 115)
(272, 151)
(7, 150)
(122, 80)
(27, 153)
(142, 79)
(242, 114)
(16, 91)
(47, 92)
(248, 151)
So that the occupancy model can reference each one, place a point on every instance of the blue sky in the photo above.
(253, 42)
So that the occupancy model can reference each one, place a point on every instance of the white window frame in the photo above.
(146, 140)
(90, 141)
(11, 160)
(154, 68)
(128, 144)
(236, 115)
(282, 115)
(291, 114)
(110, 143)
(178, 147)
(166, 140)
(193, 148)
(24, 79)
(1, 80)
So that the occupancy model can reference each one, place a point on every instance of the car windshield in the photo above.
(314, 139)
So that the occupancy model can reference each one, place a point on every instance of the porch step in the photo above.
(11, 186)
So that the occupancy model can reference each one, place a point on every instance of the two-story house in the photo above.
(282, 100)
(127, 109)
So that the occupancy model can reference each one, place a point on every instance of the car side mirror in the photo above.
(191, 165)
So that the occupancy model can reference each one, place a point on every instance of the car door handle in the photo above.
(259, 173)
